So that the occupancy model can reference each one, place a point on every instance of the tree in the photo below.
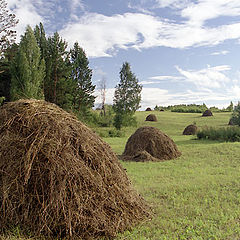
(28, 69)
(7, 21)
(57, 71)
(230, 107)
(103, 90)
(40, 36)
(127, 97)
(5, 69)
(235, 119)
(81, 76)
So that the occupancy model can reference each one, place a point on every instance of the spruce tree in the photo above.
(81, 76)
(28, 69)
(127, 97)
(56, 87)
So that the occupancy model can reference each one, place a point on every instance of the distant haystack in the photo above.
(207, 113)
(150, 144)
(58, 179)
(151, 117)
(161, 110)
(190, 130)
(148, 109)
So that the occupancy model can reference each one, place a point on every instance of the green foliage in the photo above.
(2, 100)
(56, 84)
(106, 133)
(228, 134)
(28, 69)
(127, 97)
(235, 118)
(107, 119)
(81, 78)
(192, 108)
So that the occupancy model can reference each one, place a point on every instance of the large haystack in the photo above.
(190, 130)
(151, 117)
(150, 144)
(148, 109)
(58, 178)
(207, 113)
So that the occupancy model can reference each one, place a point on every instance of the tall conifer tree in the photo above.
(28, 69)
(57, 71)
(81, 76)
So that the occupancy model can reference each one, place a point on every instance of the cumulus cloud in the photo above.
(199, 12)
(210, 77)
(26, 12)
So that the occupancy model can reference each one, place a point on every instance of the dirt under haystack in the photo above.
(151, 118)
(207, 113)
(58, 178)
(190, 130)
(150, 144)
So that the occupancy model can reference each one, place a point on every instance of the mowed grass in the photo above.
(196, 196)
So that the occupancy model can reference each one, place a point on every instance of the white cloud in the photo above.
(210, 77)
(174, 78)
(27, 14)
(224, 52)
(203, 10)
(100, 37)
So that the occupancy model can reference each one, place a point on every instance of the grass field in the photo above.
(196, 196)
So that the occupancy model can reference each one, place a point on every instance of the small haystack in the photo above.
(58, 178)
(150, 144)
(190, 130)
(148, 109)
(207, 113)
(151, 117)
(161, 110)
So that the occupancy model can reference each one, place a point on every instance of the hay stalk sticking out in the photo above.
(58, 178)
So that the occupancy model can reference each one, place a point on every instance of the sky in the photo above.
(181, 51)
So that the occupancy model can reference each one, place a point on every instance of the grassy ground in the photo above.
(196, 196)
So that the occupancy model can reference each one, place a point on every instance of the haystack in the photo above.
(58, 178)
(148, 109)
(190, 130)
(151, 117)
(207, 113)
(150, 144)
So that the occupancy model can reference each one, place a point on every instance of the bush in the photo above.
(110, 133)
(228, 134)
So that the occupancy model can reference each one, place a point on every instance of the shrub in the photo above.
(228, 134)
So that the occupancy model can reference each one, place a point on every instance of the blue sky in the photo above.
(182, 51)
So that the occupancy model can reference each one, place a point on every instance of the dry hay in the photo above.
(207, 113)
(190, 130)
(149, 144)
(151, 117)
(58, 178)
(148, 109)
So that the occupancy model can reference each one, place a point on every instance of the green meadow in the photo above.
(195, 196)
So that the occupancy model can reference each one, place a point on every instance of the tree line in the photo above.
(42, 67)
